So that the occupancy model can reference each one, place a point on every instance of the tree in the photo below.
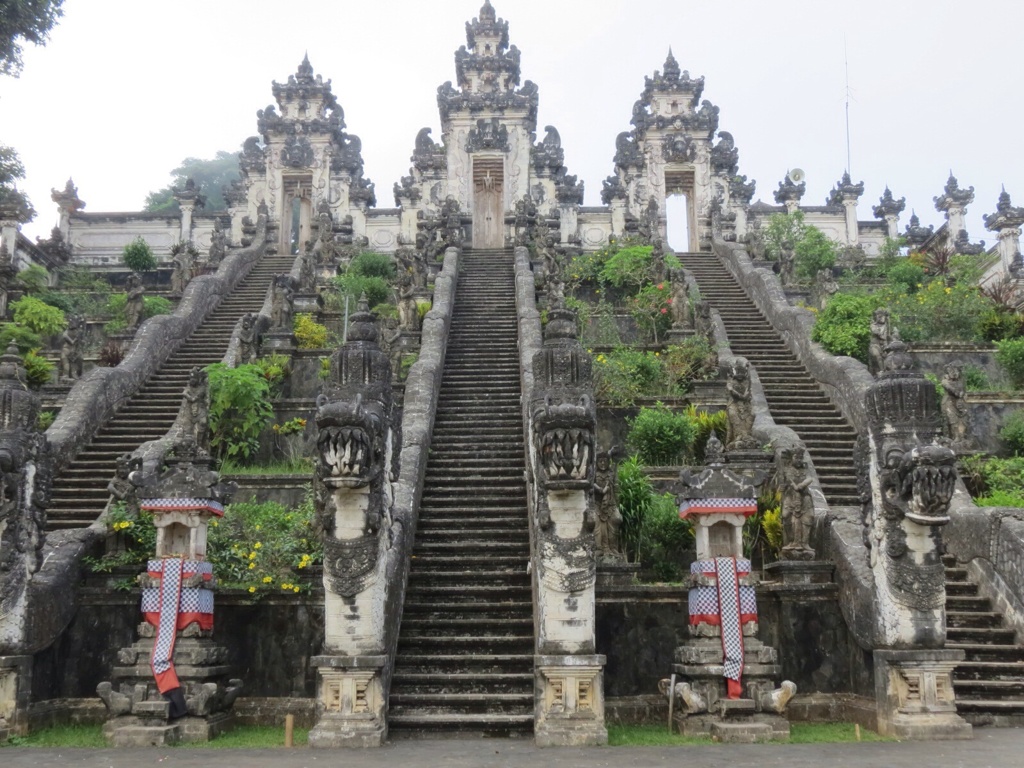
(138, 256)
(209, 176)
(12, 169)
(24, 21)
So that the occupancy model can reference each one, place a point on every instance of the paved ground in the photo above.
(991, 748)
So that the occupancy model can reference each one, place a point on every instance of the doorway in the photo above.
(488, 202)
(677, 211)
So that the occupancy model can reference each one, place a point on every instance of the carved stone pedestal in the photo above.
(15, 693)
(914, 693)
(678, 335)
(569, 701)
(307, 303)
(350, 702)
(800, 571)
(140, 715)
(278, 342)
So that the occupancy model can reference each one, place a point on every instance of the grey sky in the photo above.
(127, 88)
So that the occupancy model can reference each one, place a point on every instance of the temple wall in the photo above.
(97, 239)
(383, 226)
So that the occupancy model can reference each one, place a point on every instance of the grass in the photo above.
(241, 737)
(800, 733)
(301, 466)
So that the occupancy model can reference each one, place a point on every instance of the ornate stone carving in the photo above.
(183, 261)
(609, 520)
(825, 287)
(953, 196)
(881, 335)
(627, 151)
(248, 339)
(194, 420)
(888, 205)
(954, 408)
(218, 246)
(740, 407)
(844, 191)
(134, 305)
(790, 193)
(282, 303)
(297, 152)
(72, 342)
(678, 149)
(741, 191)
(488, 135)
(794, 481)
(569, 563)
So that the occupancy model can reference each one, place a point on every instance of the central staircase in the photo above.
(80, 493)
(465, 652)
(989, 683)
(795, 398)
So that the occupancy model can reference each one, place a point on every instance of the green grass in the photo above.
(61, 736)
(303, 466)
(800, 733)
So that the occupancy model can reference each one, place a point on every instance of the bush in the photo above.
(274, 369)
(1010, 355)
(905, 276)
(941, 312)
(45, 420)
(33, 280)
(844, 326)
(370, 264)
(38, 369)
(625, 374)
(151, 306)
(975, 379)
(651, 307)
(706, 423)
(1013, 432)
(309, 334)
(138, 256)
(110, 355)
(377, 289)
(783, 228)
(1002, 499)
(239, 409)
(814, 252)
(692, 360)
(20, 336)
(998, 324)
(651, 530)
(771, 524)
(987, 476)
(660, 437)
(38, 316)
(628, 267)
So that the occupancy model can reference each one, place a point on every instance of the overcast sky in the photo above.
(126, 89)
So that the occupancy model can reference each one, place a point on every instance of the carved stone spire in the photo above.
(915, 234)
(844, 191)
(953, 196)
(1007, 222)
(789, 194)
(888, 205)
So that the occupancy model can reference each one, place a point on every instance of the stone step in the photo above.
(989, 652)
(961, 588)
(965, 619)
(987, 635)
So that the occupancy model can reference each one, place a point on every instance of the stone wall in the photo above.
(987, 413)
(97, 239)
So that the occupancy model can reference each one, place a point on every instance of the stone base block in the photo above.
(741, 732)
(569, 701)
(350, 702)
(584, 733)
(334, 732)
(15, 694)
(146, 732)
(800, 571)
(746, 729)
(914, 693)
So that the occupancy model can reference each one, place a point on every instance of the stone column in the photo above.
(790, 193)
(914, 690)
(1007, 221)
(9, 238)
(846, 194)
(889, 209)
(68, 202)
(953, 203)
(189, 199)
(569, 708)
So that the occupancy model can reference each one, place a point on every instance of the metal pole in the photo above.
(344, 330)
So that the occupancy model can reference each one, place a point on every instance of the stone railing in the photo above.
(422, 387)
(101, 392)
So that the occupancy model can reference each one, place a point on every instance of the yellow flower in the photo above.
(251, 566)
(257, 527)
(257, 545)
(949, 290)
(214, 522)
(295, 589)
(252, 589)
(267, 579)
(252, 555)
(286, 586)
(303, 563)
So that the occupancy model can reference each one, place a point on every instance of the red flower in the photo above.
(663, 310)
(661, 286)
(668, 300)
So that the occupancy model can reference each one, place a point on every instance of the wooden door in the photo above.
(488, 198)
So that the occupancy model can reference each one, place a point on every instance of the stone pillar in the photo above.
(569, 698)
(790, 193)
(355, 446)
(1007, 221)
(68, 203)
(189, 199)
(15, 695)
(846, 194)
(953, 203)
(914, 690)
(9, 238)
(889, 210)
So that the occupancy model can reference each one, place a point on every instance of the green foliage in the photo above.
(975, 379)
(985, 476)
(813, 252)
(650, 308)
(691, 360)
(1012, 432)
(209, 175)
(33, 279)
(998, 324)
(78, 278)
(309, 334)
(371, 264)
(302, 465)
(597, 322)
(651, 530)
(22, 337)
(38, 370)
(24, 21)
(274, 369)
(771, 524)
(45, 420)
(905, 276)
(239, 409)
(706, 423)
(892, 248)
(783, 228)
(138, 256)
(1010, 355)
(377, 289)
(422, 307)
(386, 311)
(625, 374)
(660, 437)
(38, 316)
(844, 326)
(628, 267)
(1002, 499)
(151, 306)
(408, 360)
(11, 167)
(940, 312)
(635, 494)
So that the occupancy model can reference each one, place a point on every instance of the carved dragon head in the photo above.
(564, 435)
(350, 446)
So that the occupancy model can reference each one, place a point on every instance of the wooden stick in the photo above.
(856, 730)
(289, 730)
(671, 699)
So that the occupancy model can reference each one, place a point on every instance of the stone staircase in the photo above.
(795, 398)
(989, 684)
(80, 492)
(465, 651)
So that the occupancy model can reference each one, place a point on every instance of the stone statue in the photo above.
(704, 324)
(607, 541)
(740, 408)
(825, 287)
(218, 246)
(794, 481)
(755, 240)
(281, 303)
(679, 301)
(121, 487)
(954, 408)
(307, 272)
(195, 409)
(248, 340)
(324, 247)
(408, 312)
(71, 349)
(134, 305)
(881, 334)
(389, 335)
(787, 263)
(183, 263)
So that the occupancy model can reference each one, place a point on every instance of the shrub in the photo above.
(1010, 355)
(370, 264)
(422, 307)
(309, 334)
(975, 379)
(138, 256)
(814, 252)
(45, 420)
(941, 312)
(38, 316)
(110, 355)
(20, 336)
(408, 361)
(1013, 432)
(659, 436)
(986, 476)
(692, 360)
(1002, 499)
(239, 409)
(625, 374)
(844, 326)
(782, 228)
(706, 423)
(651, 307)
(635, 494)
(38, 370)
(905, 276)
(998, 324)
(771, 524)
(274, 369)
(33, 279)
(628, 267)
(664, 539)
(377, 289)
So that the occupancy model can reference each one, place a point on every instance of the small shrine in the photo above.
(172, 684)
(722, 681)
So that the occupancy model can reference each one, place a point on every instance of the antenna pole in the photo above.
(846, 63)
